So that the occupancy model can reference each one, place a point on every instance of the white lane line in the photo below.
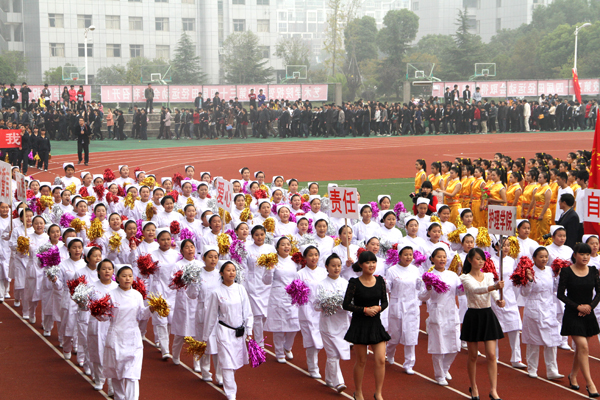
(79, 371)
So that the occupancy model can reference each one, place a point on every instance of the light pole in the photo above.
(577, 33)
(85, 49)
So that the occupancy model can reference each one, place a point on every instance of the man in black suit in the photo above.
(570, 220)
(83, 141)
(467, 95)
(448, 96)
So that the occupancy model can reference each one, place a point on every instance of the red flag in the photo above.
(576, 86)
(594, 181)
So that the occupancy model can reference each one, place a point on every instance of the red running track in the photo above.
(28, 358)
(318, 160)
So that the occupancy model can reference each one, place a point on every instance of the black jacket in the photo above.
(570, 220)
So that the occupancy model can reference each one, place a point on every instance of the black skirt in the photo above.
(574, 325)
(479, 325)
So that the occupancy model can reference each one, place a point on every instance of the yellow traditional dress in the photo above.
(419, 179)
(526, 198)
(465, 191)
(575, 187)
(445, 178)
(495, 189)
(511, 192)
(454, 201)
(478, 216)
(553, 199)
(541, 227)
(435, 180)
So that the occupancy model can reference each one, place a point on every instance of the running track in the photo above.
(318, 160)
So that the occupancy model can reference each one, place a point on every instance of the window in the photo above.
(163, 52)
(498, 24)
(161, 1)
(136, 50)
(81, 51)
(415, 6)
(239, 25)
(113, 50)
(189, 24)
(265, 51)
(498, 3)
(56, 20)
(57, 49)
(472, 24)
(262, 2)
(187, 1)
(239, 2)
(282, 27)
(162, 24)
(282, 15)
(136, 24)
(135, 1)
(262, 25)
(469, 3)
(113, 22)
(84, 21)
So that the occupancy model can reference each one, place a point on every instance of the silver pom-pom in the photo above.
(325, 204)
(52, 272)
(46, 217)
(212, 205)
(269, 239)
(58, 182)
(401, 218)
(307, 240)
(44, 248)
(304, 191)
(176, 207)
(57, 213)
(331, 230)
(81, 295)
(195, 195)
(329, 301)
(191, 272)
(240, 273)
(384, 246)
(361, 244)
(144, 216)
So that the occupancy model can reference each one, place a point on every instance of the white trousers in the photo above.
(98, 375)
(162, 332)
(48, 323)
(4, 287)
(410, 357)
(126, 389)
(514, 338)
(177, 346)
(441, 364)
(143, 324)
(258, 329)
(229, 385)
(82, 344)
(283, 341)
(312, 359)
(31, 307)
(333, 372)
(205, 367)
(533, 359)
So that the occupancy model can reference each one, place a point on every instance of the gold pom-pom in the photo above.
(36, 158)
(269, 224)
(149, 181)
(337, 242)
(431, 268)
(265, 188)
(130, 200)
(454, 236)
(189, 201)
(6, 160)
(294, 243)
(268, 260)
(223, 242)
(225, 216)
(71, 188)
(248, 200)
(180, 211)
(483, 238)
(546, 242)
(115, 242)
(245, 215)
(46, 201)
(305, 197)
(455, 265)
(23, 245)
(158, 304)
(89, 199)
(95, 230)
(78, 225)
(515, 248)
(435, 218)
(195, 347)
(149, 211)
(458, 222)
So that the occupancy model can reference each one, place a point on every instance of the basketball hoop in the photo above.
(74, 78)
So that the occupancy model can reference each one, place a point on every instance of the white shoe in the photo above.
(409, 371)
(7, 296)
(390, 360)
(281, 360)
(448, 376)
(219, 383)
(87, 371)
(553, 377)
(565, 346)
(518, 365)
(60, 345)
(207, 379)
(532, 374)
(47, 333)
(340, 388)
(98, 386)
(111, 391)
(442, 382)
(176, 361)
(32, 320)
(26, 317)
(166, 356)
(315, 375)
(289, 355)
(67, 356)
(197, 367)
(463, 345)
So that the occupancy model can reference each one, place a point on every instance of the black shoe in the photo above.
(592, 395)
(86, 163)
(574, 387)
(472, 397)
(492, 397)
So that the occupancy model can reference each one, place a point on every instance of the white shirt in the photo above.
(477, 292)
(561, 191)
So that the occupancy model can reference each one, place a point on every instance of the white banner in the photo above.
(224, 194)
(502, 220)
(6, 195)
(21, 187)
(344, 202)
(591, 205)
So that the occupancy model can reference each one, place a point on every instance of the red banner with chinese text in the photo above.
(576, 86)
(10, 138)
(594, 181)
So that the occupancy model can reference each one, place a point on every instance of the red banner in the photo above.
(594, 181)
(576, 86)
(10, 138)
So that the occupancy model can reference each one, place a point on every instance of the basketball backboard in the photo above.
(421, 72)
(72, 73)
(484, 70)
(159, 74)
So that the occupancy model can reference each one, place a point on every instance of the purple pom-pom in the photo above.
(274, 209)
(49, 258)
(237, 250)
(392, 257)
(140, 232)
(310, 226)
(305, 207)
(399, 208)
(65, 220)
(33, 205)
(245, 188)
(375, 209)
(431, 279)
(292, 217)
(418, 258)
(186, 234)
(487, 255)
(256, 355)
(93, 216)
(231, 233)
(298, 291)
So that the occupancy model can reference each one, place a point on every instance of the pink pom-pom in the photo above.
(399, 208)
(310, 226)
(256, 355)
(392, 257)
(293, 217)
(418, 258)
(65, 220)
(49, 258)
(431, 279)
(186, 234)
(298, 291)
(375, 209)
(305, 207)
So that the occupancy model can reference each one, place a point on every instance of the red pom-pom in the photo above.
(111, 198)
(519, 276)
(559, 264)
(177, 282)
(299, 259)
(94, 244)
(260, 194)
(73, 283)
(134, 240)
(123, 220)
(140, 286)
(15, 213)
(177, 178)
(102, 309)
(84, 192)
(99, 190)
(175, 228)
(146, 265)
(29, 194)
(121, 191)
(108, 175)
(173, 194)
(395, 246)
(490, 267)
(136, 170)
(360, 251)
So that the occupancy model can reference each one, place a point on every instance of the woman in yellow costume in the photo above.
(527, 196)
(467, 183)
(421, 176)
(497, 190)
(539, 213)
(513, 192)
(452, 193)
(445, 171)
(554, 186)
(435, 175)
(479, 214)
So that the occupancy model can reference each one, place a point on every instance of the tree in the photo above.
(399, 30)
(17, 62)
(561, 12)
(294, 51)
(134, 69)
(333, 44)
(360, 38)
(468, 49)
(113, 75)
(53, 76)
(242, 61)
(186, 64)
(7, 72)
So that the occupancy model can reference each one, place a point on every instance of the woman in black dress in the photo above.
(579, 321)
(366, 298)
